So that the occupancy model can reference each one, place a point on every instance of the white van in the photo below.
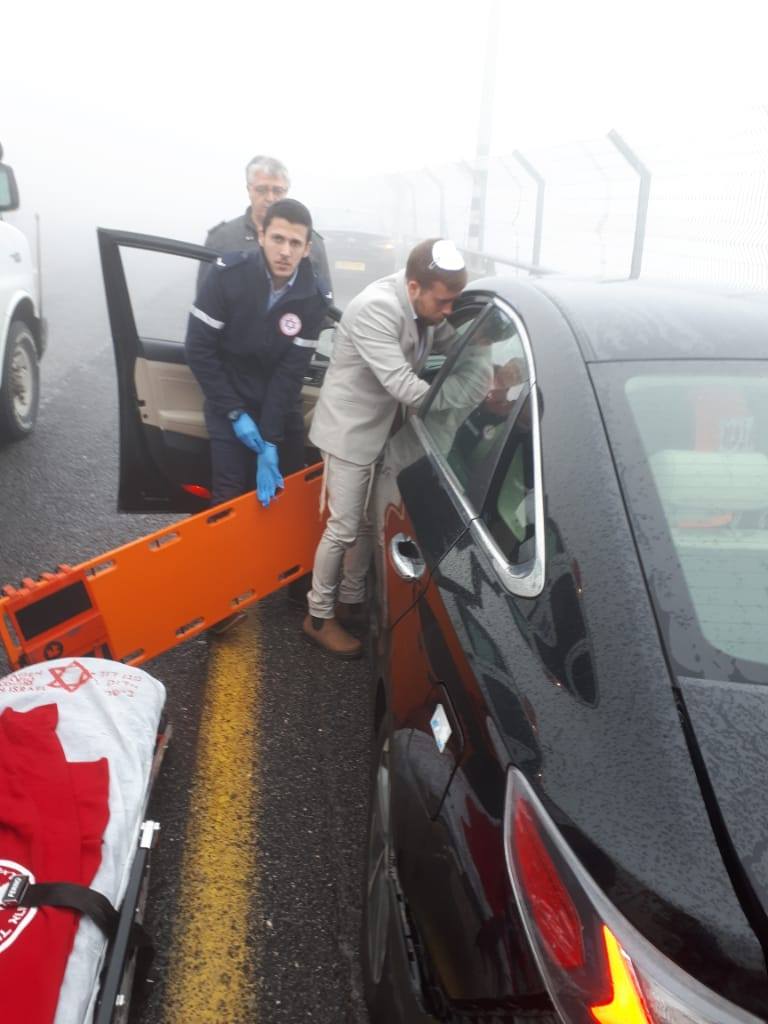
(22, 328)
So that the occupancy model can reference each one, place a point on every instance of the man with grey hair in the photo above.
(267, 181)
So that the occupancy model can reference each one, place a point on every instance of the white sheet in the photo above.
(106, 709)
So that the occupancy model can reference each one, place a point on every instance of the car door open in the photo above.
(150, 284)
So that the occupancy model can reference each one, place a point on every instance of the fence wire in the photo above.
(706, 217)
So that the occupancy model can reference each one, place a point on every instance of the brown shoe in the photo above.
(351, 614)
(328, 634)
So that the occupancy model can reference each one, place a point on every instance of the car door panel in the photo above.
(164, 461)
(448, 810)
(408, 495)
(448, 813)
(434, 764)
(170, 397)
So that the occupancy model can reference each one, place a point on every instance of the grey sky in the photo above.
(161, 88)
(142, 116)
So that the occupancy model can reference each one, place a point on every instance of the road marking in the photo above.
(211, 979)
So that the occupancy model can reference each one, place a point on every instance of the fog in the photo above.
(143, 116)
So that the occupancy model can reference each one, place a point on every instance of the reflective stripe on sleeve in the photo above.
(217, 324)
(304, 342)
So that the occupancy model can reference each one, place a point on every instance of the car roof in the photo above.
(635, 320)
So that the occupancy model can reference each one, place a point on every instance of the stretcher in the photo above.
(75, 638)
(144, 598)
(102, 709)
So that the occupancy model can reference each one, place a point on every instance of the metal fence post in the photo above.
(643, 196)
(539, 218)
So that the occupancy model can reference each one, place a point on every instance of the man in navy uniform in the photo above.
(251, 335)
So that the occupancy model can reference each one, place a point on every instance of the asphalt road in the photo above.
(302, 778)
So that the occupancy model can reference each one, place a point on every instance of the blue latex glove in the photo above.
(247, 432)
(268, 477)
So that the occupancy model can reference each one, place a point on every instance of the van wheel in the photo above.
(20, 391)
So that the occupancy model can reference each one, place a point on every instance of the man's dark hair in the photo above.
(291, 210)
(419, 268)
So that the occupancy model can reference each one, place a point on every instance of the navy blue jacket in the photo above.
(245, 356)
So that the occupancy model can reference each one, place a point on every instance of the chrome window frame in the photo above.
(526, 579)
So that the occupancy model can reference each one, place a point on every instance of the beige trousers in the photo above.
(344, 553)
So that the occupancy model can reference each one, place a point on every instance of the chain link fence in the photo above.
(692, 208)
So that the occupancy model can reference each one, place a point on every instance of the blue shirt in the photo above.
(275, 295)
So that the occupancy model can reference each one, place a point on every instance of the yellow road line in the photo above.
(211, 979)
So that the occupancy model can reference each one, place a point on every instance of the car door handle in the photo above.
(406, 557)
(16, 256)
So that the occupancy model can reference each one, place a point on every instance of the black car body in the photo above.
(569, 812)
(572, 662)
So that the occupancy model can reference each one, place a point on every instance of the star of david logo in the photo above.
(70, 677)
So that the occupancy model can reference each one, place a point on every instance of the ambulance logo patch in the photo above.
(290, 324)
(13, 920)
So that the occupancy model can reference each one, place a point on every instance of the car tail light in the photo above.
(197, 489)
(598, 969)
(556, 918)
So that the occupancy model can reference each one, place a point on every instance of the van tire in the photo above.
(20, 390)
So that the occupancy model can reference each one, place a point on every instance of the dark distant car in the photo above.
(569, 810)
(356, 257)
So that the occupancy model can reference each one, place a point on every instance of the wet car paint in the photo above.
(574, 687)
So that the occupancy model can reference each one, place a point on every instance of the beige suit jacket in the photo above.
(373, 369)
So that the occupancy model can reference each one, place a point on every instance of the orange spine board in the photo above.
(153, 593)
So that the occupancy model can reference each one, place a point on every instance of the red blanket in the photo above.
(53, 813)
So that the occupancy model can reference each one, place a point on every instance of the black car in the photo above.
(359, 250)
(569, 816)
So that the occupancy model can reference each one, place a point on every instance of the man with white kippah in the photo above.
(382, 342)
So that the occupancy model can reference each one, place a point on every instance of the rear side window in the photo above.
(690, 441)
(706, 441)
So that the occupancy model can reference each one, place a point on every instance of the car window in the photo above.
(461, 321)
(706, 441)
(509, 511)
(468, 412)
(162, 288)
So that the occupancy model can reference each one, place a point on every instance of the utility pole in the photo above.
(476, 236)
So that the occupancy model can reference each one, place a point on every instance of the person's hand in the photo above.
(247, 432)
(268, 477)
